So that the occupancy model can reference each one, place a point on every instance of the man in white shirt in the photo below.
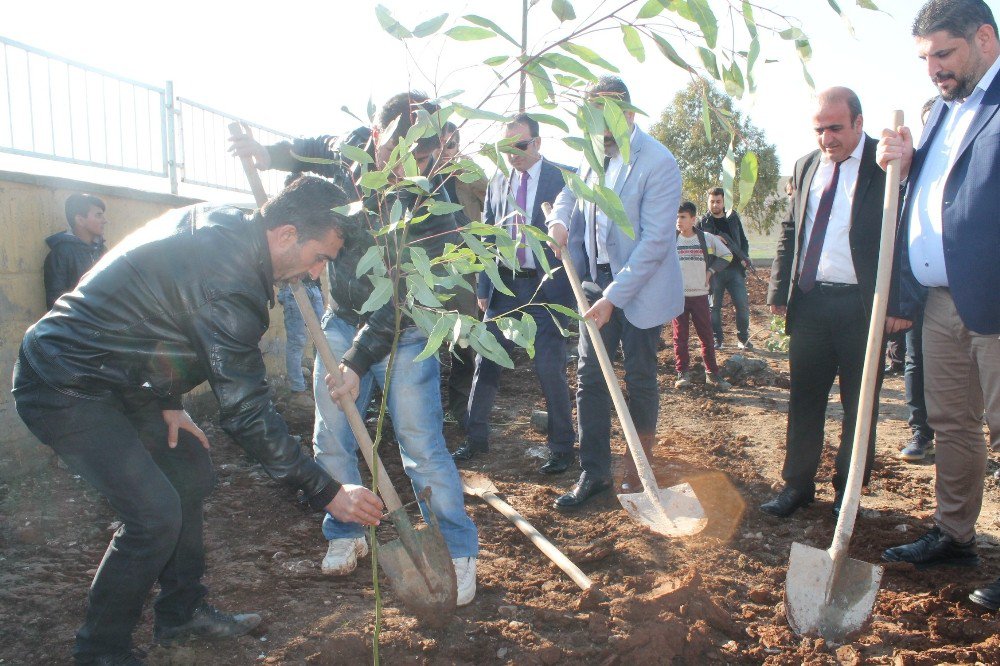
(948, 262)
(823, 281)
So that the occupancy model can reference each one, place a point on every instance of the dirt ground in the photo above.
(712, 598)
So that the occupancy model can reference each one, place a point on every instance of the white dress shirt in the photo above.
(604, 223)
(534, 171)
(836, 263)
(926, 245)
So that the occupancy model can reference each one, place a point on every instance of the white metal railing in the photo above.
(54, 108)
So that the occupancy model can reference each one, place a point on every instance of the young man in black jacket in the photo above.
(733, 279)
(72, 253)
(363, 341)
(181, 301)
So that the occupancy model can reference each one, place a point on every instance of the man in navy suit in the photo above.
(948, 259)
(509, 201)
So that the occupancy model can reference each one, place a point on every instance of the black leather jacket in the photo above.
(182, 300)
(68, 259)
(375, 329)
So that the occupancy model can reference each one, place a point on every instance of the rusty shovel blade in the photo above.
(826, 598)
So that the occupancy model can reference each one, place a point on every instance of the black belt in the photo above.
(604, 268)
(523, 273)
(835, 287)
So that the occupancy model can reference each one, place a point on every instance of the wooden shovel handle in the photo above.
(547, 547)
(873, 359)
(347, 405)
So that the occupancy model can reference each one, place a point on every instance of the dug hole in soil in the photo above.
(712, 598)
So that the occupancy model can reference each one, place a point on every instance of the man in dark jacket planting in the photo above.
(72, 253)
(181, 301)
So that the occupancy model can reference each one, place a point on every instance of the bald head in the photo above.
(838, 122)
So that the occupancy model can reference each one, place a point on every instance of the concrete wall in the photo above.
(31, 208)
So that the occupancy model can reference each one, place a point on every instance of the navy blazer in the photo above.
(971, 229)
(498, 209)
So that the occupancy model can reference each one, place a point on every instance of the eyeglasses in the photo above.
(523, 145)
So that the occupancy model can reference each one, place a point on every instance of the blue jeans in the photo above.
(593, 401)
(733, 281)
(118, 444)
(417, 418)
(550, 368)
(295, 331)
(913, 378)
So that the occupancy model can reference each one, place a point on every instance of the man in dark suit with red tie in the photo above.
(823, 281)
(533, 180)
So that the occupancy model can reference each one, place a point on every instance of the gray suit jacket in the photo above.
(648, 285)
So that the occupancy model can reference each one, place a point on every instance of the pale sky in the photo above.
(293, 65)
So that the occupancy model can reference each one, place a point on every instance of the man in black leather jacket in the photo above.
(363, 340)
(181, 301)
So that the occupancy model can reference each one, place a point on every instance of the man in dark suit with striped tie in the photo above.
(512, 202)
(823, 281)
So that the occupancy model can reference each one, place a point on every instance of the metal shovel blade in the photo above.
(419, 565)
(677, 513)
(825, 599)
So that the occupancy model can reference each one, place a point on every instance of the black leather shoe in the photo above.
(935, 549)
(838, 499)
(207, 622)
(988, 596)
(585, 488)
(557, 463)
(787, 501)
(468, 450)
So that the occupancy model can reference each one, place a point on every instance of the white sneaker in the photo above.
(465, 573)
(342, 555)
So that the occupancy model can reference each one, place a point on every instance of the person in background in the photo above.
(729, 229)
(72, 253)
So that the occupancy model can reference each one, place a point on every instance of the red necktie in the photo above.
(807, 278)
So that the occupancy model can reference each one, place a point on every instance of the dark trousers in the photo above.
(463, 360)
(913, 378)
(593, 401)
(828, 337)
(695, 309)
(550, 367)
(734, 281)
(119, 446)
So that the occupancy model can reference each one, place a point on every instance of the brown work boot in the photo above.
(631, 483)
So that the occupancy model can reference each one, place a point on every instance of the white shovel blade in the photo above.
(811, 579)
(681, 513)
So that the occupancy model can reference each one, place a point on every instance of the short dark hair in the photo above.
(307, 203)
(715, 192)
(80, 204)
(961, 18)
(609, 86)
(404, 106)
(689, 208)
(527, 121)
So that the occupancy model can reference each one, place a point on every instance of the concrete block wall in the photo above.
(31, 209)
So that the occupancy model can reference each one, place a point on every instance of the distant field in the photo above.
(761, 246)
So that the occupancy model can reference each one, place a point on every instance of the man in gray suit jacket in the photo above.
(641, 285)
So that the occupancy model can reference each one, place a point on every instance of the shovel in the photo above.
(672, 512)
(826, 592)
(480, 486)
(418, 563)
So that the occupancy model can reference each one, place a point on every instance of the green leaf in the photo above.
(356, 154)
(792, 34)
(706, 20)
(616, 122)
(438, 207)
(633, 43)
(484, 342)
(706, 119)
(804, 49)
(472, 113)
(423, 294)
(562, 309)
(681, 8)
(588, 55)
(608, 201)
(710, 61)
(351, 209)
(748, 18)
(579, 187)
(563, 10)
(847, 22)
(430, 26)
(650, 9)
(590, 118)
(567, 64)
(732, 78)
(391, 25)
(753, 54)
(436, 337)
(729, 175)
(533, 238)
(496, 61)
(371, 261)
(494, 274)
(549, 120)
(486, 23)
(748, 178)
(469, 33)
(541, 85)
(374, 180)
(808, 77)
(379, 296)
(868, 4)
(421, 262)
(667, 49)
